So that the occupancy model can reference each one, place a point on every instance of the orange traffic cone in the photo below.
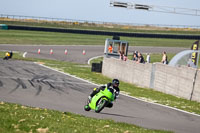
(84, 52)
(65, 51)
(51, 51)
(38, 51)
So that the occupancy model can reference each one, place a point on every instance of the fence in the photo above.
(178, 81)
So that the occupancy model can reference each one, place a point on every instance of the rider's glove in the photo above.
(116, 94)
(89, 98)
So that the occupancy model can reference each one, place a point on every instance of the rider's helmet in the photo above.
(115, 82)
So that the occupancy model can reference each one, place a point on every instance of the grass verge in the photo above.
(23, 119)
(18, 118)
(54, 38)
(143, 93)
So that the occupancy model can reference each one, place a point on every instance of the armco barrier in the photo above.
(107, 33)
(178, 81)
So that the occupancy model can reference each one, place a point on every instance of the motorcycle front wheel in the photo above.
(87, 108)
(100, 105)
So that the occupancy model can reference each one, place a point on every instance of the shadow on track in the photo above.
(112, 114)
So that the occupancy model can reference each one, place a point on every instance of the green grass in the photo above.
(17, 118)
(48, 38)
(83, 71)
(97, 60)
(155, 57)
(158, 42)
(23, 119)
(55, 38)
(143, 93)
(158, 57)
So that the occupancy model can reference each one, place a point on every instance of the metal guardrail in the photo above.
(23, 18)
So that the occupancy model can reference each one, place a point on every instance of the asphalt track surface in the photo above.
(34, 85)
(75, 53)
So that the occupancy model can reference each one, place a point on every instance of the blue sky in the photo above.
(100, 10)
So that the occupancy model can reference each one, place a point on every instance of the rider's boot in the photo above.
(109, 105)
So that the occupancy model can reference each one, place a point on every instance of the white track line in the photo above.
(121, 93)
(67, 74)
(94, 58)
(24, 55)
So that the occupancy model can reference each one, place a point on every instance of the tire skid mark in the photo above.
(1, 83)
(28, 71)
(19, 83)
(13, 70)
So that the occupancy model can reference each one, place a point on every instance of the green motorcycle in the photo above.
(100, 100)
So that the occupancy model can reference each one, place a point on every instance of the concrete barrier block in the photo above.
(160, 77)
(177, 81)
